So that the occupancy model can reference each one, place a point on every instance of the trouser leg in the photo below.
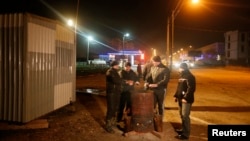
(121, 106)
(159, 96)
(110, 112)
(129, 104)
(185, 116)
(112, 104)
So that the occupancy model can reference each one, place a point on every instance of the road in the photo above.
(222, 97)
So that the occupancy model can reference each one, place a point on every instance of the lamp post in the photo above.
(123, 38)
(170, 30)
(90, 38)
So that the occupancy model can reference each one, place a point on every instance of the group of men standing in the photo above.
(119, 87)
(155, 75)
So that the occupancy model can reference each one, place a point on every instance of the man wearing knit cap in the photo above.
(184, 95)
(157, 81)
(113, 90)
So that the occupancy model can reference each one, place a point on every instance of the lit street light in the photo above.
(70, 22)
(124, 36)
(123, 57)
(170, 29)
(90, 38)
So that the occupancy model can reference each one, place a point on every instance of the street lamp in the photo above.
(123, 38)
(170, 29)
(70, 23)
(90, 38)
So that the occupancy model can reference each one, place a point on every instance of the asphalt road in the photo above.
(222, 97)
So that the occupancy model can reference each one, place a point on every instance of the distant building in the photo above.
(212, 54)
(237, 47)
(133, 56)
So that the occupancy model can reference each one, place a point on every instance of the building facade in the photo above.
(237, 47)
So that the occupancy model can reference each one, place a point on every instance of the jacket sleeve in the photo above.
(191, 86)
(176, 91)
(166, 76)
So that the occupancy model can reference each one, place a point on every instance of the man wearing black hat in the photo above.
(157, 80)
(113, 90)
(184, 95)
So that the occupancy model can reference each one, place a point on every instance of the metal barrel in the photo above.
(142, 111)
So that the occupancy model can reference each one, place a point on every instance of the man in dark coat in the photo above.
(129, 79)
(157, 80)
(185, 97)
(113, 90)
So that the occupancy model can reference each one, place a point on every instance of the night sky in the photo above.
(145, 20)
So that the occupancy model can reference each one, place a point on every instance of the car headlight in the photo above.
(177, 64)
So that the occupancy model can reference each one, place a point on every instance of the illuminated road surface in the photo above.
(222, 97)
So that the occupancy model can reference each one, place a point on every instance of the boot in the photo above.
(128, 126)
(158, 123)
(108, 126)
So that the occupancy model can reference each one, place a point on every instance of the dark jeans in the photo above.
(125, 101)
(184, 111)
(159, 96)
(112, 105)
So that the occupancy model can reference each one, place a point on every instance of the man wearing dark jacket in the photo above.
(157, 80)
(113, 90)
(129, 79)
(185, 97)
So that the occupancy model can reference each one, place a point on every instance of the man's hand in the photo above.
(130, 82)
(183, 100)
(153, 85)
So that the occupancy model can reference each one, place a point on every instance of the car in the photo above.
(190, 63)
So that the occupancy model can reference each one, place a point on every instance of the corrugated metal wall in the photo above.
(11, 66)
(65, 60)
(37, 66)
